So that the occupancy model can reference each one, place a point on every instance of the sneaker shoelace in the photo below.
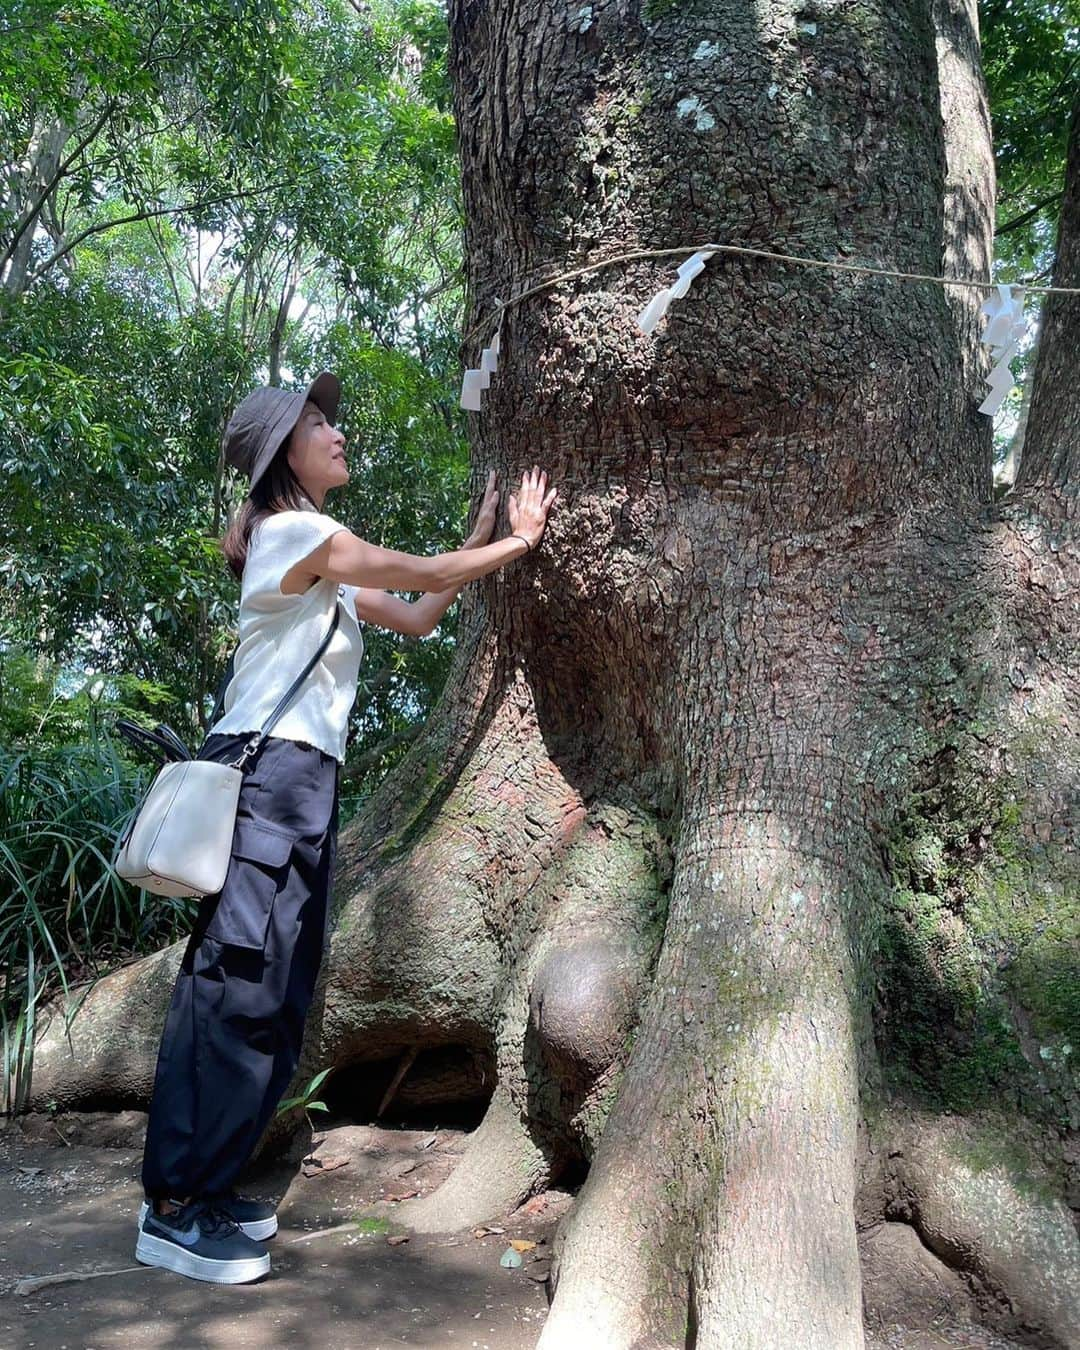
(216, 1221)
(224, 1199)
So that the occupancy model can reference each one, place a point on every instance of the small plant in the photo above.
(304, 1100)
(367, 1224)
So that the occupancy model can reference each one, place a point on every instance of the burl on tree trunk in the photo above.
(739, 850)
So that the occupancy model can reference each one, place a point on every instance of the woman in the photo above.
(233, 1031)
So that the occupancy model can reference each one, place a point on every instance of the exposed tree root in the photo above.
(106, 1055)
(985, 1208)
(719, 1208)
(500, 1168)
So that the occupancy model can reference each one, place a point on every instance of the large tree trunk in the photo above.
(652, 862)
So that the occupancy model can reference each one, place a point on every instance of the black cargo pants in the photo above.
(233, 1031)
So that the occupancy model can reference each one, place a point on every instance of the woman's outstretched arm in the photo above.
(416, 618)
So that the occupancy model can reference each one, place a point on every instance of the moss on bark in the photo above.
(979, 973)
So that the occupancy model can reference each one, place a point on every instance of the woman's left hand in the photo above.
(485, 521)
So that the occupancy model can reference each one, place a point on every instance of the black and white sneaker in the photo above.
(203, 1241)
(257, 1218)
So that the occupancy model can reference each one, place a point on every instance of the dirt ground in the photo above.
(69, 1198)
(71, 1208)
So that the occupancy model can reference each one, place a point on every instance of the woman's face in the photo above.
(317, 454)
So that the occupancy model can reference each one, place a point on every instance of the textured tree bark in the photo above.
(643, 858)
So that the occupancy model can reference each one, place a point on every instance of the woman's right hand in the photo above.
(528, 511)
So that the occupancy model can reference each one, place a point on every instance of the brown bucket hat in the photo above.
(263, 420)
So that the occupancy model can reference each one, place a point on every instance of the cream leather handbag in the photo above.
(179, 841)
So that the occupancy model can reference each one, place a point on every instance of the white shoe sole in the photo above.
(152, 1251)
(259, 1229)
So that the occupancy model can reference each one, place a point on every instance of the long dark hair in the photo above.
(278, 489)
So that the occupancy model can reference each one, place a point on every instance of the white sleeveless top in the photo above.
(280, 633)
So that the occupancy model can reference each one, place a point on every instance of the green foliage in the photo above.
(120, 365)
(97, 479)
(1031, 59)
(66, 795)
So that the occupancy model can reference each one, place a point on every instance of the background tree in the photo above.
(1031, 54)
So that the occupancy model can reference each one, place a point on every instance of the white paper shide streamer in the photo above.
(1004, 314)
(478, 378)
(1005, 327)
(657, 307)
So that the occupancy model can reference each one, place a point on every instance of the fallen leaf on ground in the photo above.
(397, 1240)
(485, 1229)
(400, 1195)
(521, 1245)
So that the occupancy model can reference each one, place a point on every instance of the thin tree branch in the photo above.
(1018, 221)
(260, 241)
(170, 271)
(1062, 84)
(51, 262)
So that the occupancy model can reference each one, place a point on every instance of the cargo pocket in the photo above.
(257, 871)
